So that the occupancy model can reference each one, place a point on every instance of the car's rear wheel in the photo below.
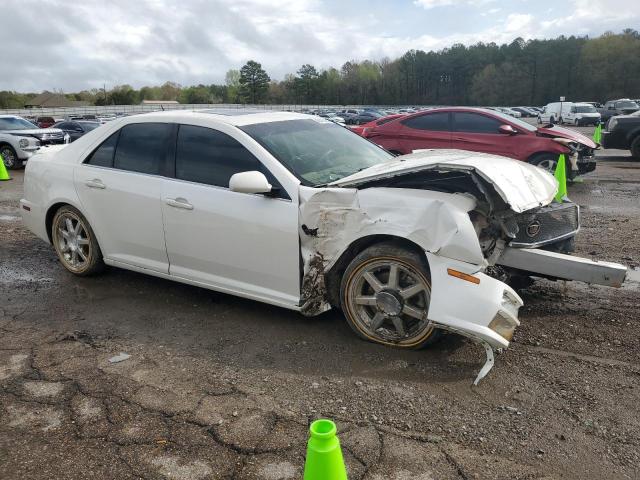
(635, 147)
(11, 160)
(548, 161)
(75, 243)
(385, 295)
(552, 120)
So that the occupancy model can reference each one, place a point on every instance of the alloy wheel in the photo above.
(71, 241)
(9, 157)
(389, 300)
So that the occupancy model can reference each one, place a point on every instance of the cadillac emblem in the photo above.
(533, 228)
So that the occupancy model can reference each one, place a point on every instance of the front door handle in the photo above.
(95, 183)
(178, 203)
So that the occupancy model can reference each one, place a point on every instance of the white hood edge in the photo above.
(521, 186)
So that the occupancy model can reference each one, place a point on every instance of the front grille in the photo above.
(545, 225)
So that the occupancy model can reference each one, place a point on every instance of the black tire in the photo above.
(10, 157)
(363, 305)
(548, 161)
(552, 120)
(635, 147)
(81, 245)
(561, 121)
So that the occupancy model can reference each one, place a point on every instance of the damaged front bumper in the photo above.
(485, 311)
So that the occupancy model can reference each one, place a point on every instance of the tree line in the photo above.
(532, 72)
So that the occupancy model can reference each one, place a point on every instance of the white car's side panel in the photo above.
(237, 241)
(125, 213)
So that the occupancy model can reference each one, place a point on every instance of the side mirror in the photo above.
(507, 130)
(249, 182)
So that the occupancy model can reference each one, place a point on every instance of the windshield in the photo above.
(512, 120)
(16, 123)
(317, 151)
(627, 104)
(585, 109)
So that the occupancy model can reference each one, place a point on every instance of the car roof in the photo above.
(236, 117)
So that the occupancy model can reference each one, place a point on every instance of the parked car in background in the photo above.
(348, 114)
(525, 111)
(45, 122)
(580, 114)
(76, 129)
(552, 112)
(623, 132)
(20, 139)
(365, 116)
(623, 106)
(510, 111)
(484, 130)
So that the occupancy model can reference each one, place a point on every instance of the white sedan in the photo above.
(295, 211)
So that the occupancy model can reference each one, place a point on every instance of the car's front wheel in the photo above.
(548, 161)
(75, 243)
(385, 294)
(11, 160)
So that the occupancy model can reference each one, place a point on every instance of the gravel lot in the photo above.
(220, 387)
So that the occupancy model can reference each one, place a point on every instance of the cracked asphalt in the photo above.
(218, 387)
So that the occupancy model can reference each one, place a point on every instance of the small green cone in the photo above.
(597, 134)
(324, 455)
(4, 175)
(561, 176)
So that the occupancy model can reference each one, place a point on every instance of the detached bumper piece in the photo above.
(566, 267)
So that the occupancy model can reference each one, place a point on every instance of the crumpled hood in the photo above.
(521, 186)
(556, 131)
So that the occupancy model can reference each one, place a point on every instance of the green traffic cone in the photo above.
(561, 176)
(597, 133)
(4, 175)
(324, 455)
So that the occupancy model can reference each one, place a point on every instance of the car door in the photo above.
(480, 133)
(119, 186)
(428, 130)
(241, 243)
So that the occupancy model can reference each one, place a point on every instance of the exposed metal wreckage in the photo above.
(464, 213)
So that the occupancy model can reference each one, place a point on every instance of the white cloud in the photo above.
(428, 4)
(79, 45)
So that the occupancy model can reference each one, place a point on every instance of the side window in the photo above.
(430, 121)
(103, 155)
(211, 157)
(474, 123)
(142, 147)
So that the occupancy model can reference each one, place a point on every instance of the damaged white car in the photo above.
(296, 211)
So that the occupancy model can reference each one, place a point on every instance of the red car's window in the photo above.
(430, 121)
(474, 123)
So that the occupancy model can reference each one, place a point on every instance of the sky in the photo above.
(72, 46)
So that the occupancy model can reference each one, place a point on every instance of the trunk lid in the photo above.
(520, 185)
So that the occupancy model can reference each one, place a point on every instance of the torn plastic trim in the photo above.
(488, 350)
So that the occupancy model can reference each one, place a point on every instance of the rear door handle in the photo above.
(178, 203)
(95, 183)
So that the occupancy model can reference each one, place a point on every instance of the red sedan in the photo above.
(483, 130)
(362, 129)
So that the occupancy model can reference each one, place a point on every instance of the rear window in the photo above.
(103, 155)
(431, 121)
(142, 147)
